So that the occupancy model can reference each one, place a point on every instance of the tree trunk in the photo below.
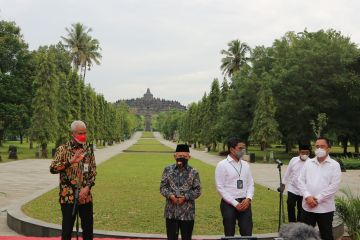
(31, 144)
(44, 150)
(84, 72)
(21, 138)
(356, 146)
(288, 147)
(1, 137)
(344, 143)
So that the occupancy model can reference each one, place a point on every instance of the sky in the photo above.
(173, 46)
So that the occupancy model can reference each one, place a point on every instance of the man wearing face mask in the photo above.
(75, 162)
(180, 185)
(235, 184)
(291, 180)
(319, 181)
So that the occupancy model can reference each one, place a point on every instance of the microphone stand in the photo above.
(281, 198)
(75, 210)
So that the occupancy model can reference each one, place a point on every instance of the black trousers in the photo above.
(323, 220)
(294, 201)
(230, 215)
(87, 221)
(173, 226)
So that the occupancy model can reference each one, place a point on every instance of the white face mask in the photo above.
(319, 152)
(304, 157)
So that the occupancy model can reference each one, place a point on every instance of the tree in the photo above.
(17, 69)
(235, 57)
(63, 110)
(44, 120)
(84, 49)
(264, 127)
(91, 54)
(77, 40)
(320, 124)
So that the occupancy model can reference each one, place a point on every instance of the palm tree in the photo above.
(235, 57)
(90, 54)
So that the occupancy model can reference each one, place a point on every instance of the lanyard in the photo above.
(239, 173)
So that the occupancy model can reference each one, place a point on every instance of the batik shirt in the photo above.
(73, 175)
(186, 183)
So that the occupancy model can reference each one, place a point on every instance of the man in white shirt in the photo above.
(319, 180)
(291, 181)
(235, 184)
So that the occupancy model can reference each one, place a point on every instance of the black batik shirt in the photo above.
(187, 182)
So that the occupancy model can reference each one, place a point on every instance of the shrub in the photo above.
(348, 210)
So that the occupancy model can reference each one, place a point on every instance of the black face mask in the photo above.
(182, 160)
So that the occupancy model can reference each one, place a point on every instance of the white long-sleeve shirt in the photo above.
(292, 173)
(322, 181)
(226, 176)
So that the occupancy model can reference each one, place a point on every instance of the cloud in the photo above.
(172, 47)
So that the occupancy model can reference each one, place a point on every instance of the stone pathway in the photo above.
(25, 179)
(267, 174)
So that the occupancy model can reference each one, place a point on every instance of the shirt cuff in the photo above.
(234, 203)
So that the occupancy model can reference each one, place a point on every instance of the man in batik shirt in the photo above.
(180, 185)
(75, 162)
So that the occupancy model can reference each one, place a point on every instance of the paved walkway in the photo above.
(22, 180)
(268, 174)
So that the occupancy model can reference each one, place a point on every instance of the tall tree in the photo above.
(84, 49)
(77, 40)
(264, 127)
(235, 57)
(44, 119)
(17, 69)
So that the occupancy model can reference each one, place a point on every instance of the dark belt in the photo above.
(239, 199)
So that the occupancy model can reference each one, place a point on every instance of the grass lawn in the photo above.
(147, 135)
(127, 198)
(23, 150)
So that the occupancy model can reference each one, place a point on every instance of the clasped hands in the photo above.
(177, 200)
(311, 201)
(243, 205)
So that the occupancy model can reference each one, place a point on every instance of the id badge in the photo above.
(86, 167)
(239, 184)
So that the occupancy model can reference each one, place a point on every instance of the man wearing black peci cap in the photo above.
(180, 185)
(291, 180)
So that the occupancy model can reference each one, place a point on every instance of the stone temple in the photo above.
(148, 106)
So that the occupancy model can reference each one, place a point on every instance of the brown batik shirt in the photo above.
(186, 183)
(72, 174)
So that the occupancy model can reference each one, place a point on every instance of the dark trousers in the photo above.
(230, 215)
(87, 221)
(294, 201)
(173, 226)
(323, 220)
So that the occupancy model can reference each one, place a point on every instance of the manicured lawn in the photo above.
(147, 135)
(127, 198)
(23, 150)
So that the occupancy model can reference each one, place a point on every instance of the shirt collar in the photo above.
(230, 159)
(327, 160)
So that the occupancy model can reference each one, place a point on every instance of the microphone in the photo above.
(279, 162)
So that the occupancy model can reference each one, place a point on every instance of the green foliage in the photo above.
(17, 68)
(44, 119)
(348, 210)
(265, 128)
(235, 57)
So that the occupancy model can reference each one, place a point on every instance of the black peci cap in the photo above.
(182, 148)
(304, 147)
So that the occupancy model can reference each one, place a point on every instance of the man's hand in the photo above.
(243, 205)
(78, 156)
(311, 201)
(84, 192)
(177, 201)
(181, 200)
(173, 199)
